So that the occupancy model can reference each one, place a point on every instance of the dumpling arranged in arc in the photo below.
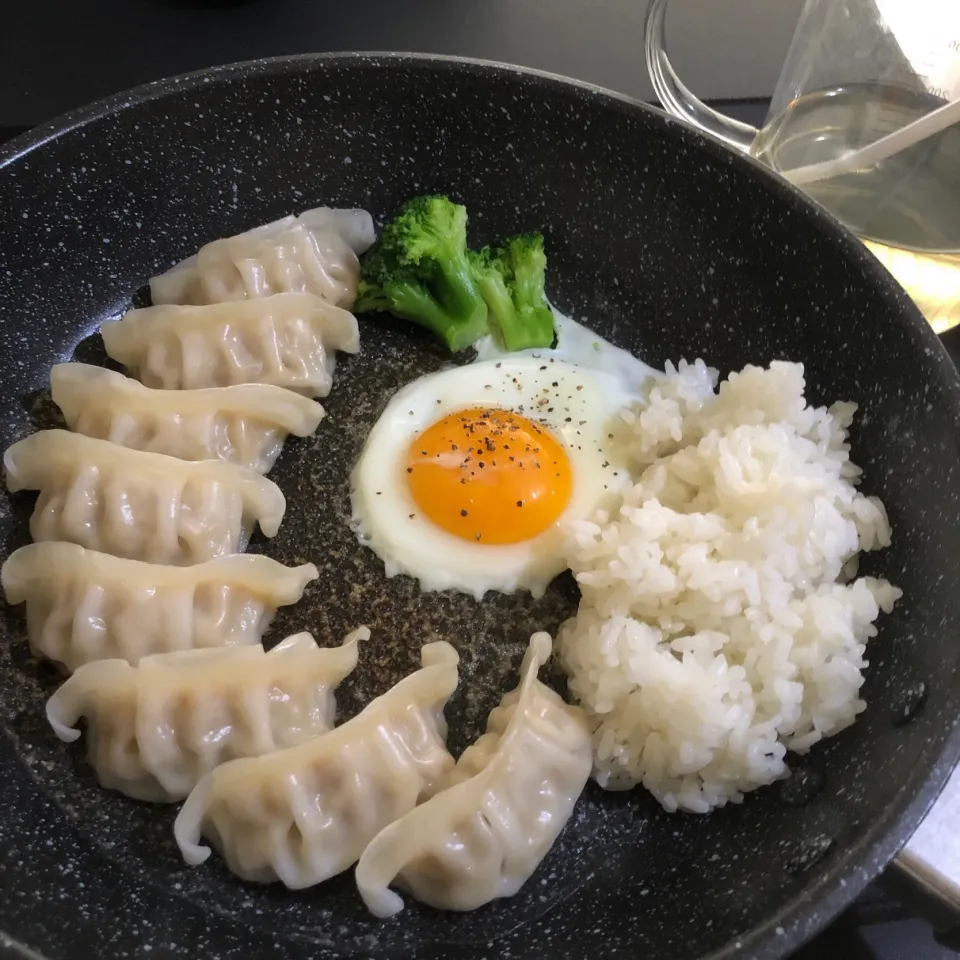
(315, 252)
(244, 424)
(288, 340)
(143, 506)
(156, 729)
(305, 814)
(84, 606)
(497, 813)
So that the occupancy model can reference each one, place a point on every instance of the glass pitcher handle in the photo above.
(675, 97)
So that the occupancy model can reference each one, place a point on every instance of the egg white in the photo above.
(578, 411)
(582, 347)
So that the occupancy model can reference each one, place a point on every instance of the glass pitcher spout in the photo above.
(674, 95)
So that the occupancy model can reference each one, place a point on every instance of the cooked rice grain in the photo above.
(718, 627)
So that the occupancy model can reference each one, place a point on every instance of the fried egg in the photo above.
(583, 347)
(469, 476)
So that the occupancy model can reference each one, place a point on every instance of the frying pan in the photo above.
(666, 244)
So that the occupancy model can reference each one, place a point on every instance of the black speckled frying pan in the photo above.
(670, 247)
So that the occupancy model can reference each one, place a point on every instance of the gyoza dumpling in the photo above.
(497, 813)
(84, 606)
(144, 506)
(244, 424)
(305, 814)
(288, 340)
(154, 730)
(313, 253)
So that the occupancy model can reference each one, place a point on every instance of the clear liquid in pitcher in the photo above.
(907, 207)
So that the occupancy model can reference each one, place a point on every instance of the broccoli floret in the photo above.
(511, 278)
(419, 271)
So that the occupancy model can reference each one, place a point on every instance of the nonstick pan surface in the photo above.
(664, 243)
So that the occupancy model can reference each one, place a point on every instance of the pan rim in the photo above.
(810, 911)
(21, 145)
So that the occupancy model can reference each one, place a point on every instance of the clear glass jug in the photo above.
(865, 119)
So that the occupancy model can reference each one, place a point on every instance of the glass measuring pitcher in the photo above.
(865, 119)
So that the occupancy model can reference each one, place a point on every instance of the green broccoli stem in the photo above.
(535, 329)
(528, 275)
(536, 316)
(457, 289)
(468, 332)
(413, 302)
(503, 315)
(518, 328)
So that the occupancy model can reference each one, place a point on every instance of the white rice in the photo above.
(718, 626)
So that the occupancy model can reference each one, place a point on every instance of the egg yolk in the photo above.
(490, 476)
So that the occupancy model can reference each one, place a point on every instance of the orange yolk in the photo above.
(489, 475)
